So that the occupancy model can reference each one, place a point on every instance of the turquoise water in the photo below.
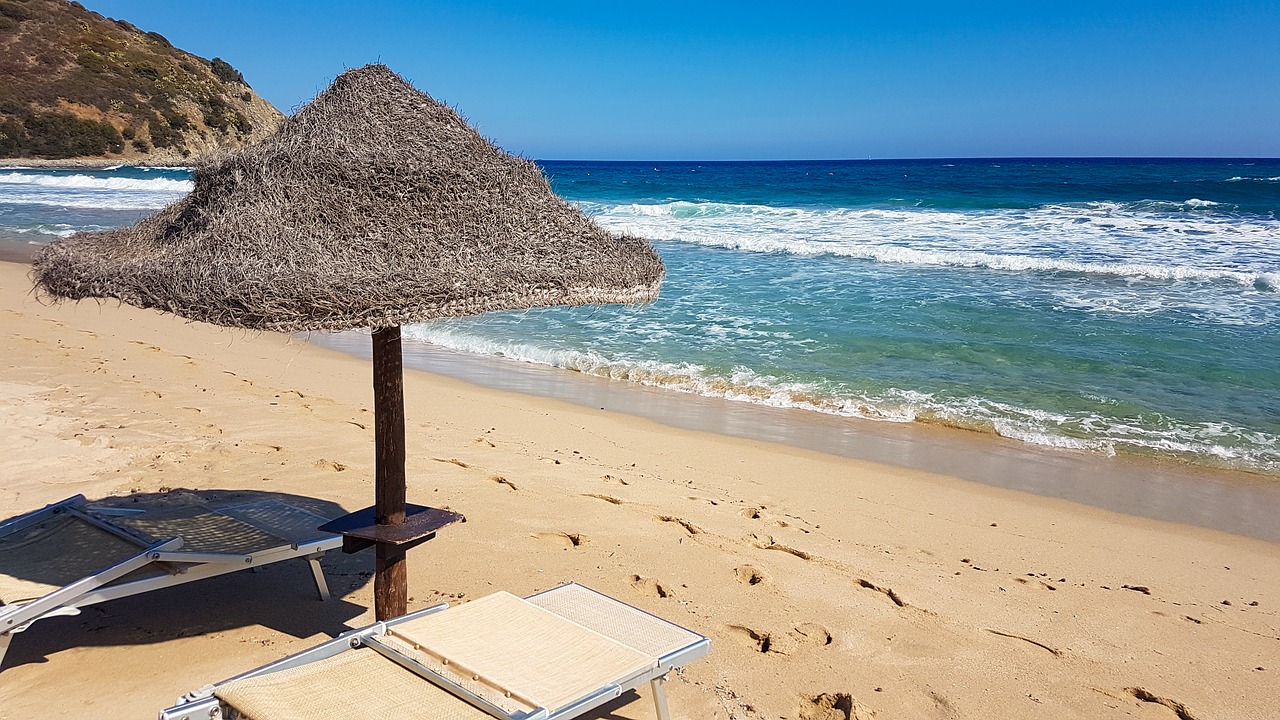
(1117, 306)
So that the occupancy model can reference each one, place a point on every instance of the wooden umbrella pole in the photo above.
(390, 581)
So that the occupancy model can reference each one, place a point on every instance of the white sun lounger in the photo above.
(68, 555)
(551, 656)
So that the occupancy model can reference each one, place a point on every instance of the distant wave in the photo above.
(90, 192)
(1214, 443)
(56, 230)
(1149, 240)
(1239, 178)
(97, 183)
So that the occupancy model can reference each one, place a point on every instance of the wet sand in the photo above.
(831, 586)
(1231, 501)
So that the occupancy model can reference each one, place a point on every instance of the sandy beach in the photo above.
(831, 587)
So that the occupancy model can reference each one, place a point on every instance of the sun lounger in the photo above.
(551, 656)
(68, 555)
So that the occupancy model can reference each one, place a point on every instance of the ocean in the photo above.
(1113, 306)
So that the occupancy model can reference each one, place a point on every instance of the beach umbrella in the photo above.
(372, 207)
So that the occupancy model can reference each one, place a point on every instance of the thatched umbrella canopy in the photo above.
(373, 206)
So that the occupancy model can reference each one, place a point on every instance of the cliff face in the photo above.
(74, 84)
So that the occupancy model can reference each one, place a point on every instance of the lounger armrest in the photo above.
(33, 610)
(113, 511)
(190, 707)
(195, 557)
(685, 655)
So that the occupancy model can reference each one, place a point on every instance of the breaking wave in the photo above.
(89, 182)
(1148, 240)
(1213, 443)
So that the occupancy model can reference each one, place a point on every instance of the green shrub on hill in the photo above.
(12, 138)
(59, 135)
(12, 13)
(162, 135)
(224, 72)
(15, 11)
(54, 53)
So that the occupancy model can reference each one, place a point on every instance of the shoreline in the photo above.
(824, 582)
(1234, 501)
(1229, 500)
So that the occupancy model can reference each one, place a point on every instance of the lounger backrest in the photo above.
(559, 661)
(54, 552)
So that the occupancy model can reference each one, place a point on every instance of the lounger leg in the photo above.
(317, 573)
(5, 639)
(660, 697)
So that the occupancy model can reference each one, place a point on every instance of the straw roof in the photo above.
(374, 206)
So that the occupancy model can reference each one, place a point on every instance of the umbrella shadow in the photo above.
(280, 596)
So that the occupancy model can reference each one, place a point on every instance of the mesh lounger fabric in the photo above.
(291, 524)
(65, 547)
(518, 647)
(353, 685)
(615, 619)
(201, 530)
(56, 552)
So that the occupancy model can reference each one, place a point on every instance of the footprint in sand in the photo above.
(688, 526)
(566, 540)
(334, 465)
(1148, 697)
(451, 461)
(649, 586)
(607, 498)
(887, 591)
(766, 542)
(811, 633)
(503, 481)
(832, 706)
(760, 640)
(748, 575)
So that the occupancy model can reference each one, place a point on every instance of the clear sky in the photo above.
(657, 80)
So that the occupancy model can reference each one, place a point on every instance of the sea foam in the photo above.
(96, 183)
(90, 192)
(1214, 443)
(1128, 240)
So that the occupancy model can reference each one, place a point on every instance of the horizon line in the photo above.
(967, 158)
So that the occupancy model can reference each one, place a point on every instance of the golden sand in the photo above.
(831, 588)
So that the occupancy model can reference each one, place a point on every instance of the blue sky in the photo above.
(784, 80)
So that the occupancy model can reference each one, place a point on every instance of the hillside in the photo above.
(74, 84)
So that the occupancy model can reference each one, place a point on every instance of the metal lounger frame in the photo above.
(191, 566)
(202, 704)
